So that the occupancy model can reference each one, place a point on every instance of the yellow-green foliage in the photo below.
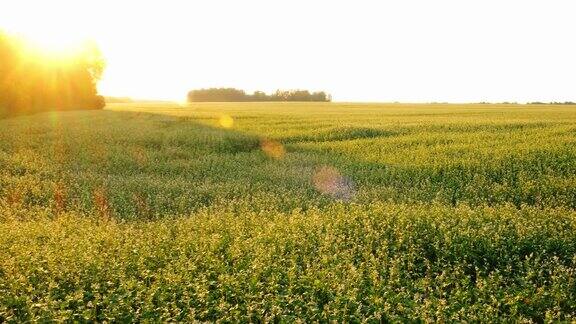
(289, 211)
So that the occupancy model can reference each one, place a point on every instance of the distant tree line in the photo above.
(528, 103)
(32, 80)
(552, 103)
(235, 95)
(109, 99)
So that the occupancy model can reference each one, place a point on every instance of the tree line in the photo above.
(33, 80)
(528, 103)
(236, 95)
(552, 103)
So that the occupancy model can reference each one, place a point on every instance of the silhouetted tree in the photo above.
(321, 96)
(259, 96)
(231, 94)
(33, 81)
(217, 94)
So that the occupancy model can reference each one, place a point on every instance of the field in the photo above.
(289, 211)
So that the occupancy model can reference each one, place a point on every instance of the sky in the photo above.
(361, 50)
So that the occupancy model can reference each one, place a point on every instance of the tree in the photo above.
(216, 94)
(259, 96)
(33, 81)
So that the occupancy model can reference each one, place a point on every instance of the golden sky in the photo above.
(403, 50)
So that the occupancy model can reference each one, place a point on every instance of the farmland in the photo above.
(287, 211)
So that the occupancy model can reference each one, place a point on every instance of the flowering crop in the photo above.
(289, 211)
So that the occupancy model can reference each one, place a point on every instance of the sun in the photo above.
(55, 42)
(56, 26)
(57, 37)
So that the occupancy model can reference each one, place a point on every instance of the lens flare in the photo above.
(272, 149)
(226, 121)
(329, 181)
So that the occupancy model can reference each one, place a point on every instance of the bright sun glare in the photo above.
(412, 50)
(55, 28)
(55, 42)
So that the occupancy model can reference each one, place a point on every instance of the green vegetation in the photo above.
(285, 211)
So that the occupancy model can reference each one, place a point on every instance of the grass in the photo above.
(285, 211)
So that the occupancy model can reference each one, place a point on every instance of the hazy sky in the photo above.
(404, 50)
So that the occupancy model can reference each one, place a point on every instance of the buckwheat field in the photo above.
(289, 211)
